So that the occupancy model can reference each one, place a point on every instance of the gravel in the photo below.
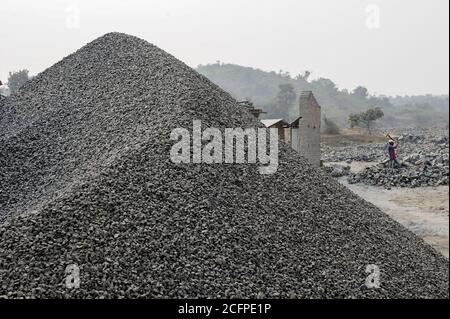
(411, 176)
(337, 170)
(358, 153)
(86, 179)
(425, 143)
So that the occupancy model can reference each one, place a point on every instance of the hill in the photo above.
(263, 87)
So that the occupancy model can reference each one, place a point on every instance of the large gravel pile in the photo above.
(86, 179)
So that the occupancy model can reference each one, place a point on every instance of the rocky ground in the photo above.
(87, 183)
(424, 154)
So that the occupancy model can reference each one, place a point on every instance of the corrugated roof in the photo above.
(270, 122)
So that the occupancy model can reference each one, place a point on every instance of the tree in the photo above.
(385, 101)
(305, 76)
(327, 84)
(361, 92)
(370, 116)
(286, 97)
(17, 79)
(353, 120)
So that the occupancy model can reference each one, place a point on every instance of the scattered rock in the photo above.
(425, 153)
(336, 170)
(411, 176)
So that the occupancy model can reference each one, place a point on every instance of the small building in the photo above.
(303, 134)
(279, 124)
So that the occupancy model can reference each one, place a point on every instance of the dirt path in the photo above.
(425, 211)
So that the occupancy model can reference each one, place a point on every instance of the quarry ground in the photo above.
(356, 136)
(423, 210)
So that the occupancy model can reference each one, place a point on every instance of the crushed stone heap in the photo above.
(86, 180)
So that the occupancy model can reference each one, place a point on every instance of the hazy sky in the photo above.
(390, 46)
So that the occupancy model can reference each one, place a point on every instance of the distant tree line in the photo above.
(276, 93)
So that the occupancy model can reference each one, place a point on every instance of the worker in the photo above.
(391, 151)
